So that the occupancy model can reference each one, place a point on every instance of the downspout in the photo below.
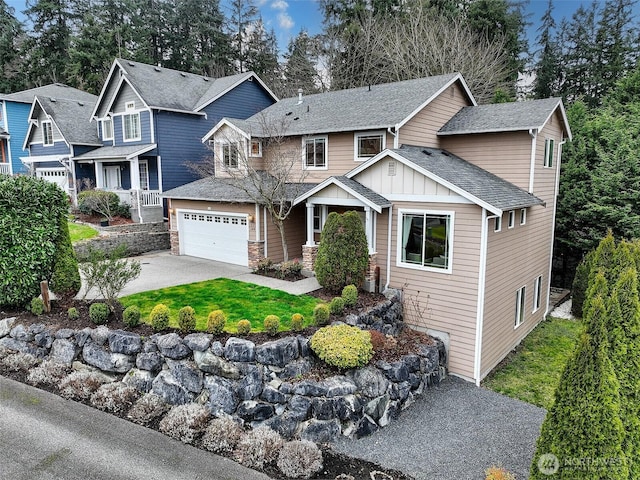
(396, 141)
(534, 137)
(553, 230)
(482, 271)
(257, 222)
(264, 225)
(388, 281)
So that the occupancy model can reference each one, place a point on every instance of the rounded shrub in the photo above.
(321, 314)
(300, 459)
(37, 306)
(297, 322)
(73, 314)
(98, 313)
(342, 346)
(243, 327)
(336, 306)
(350, 295)
(216, 322)
(159, 317)
(187, 319)
(271, 324)
(131, 316)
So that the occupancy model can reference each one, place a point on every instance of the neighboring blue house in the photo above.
(14, 115)
(150, 121)
(58, 130)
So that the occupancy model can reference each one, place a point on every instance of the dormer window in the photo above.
(368, 145)
(107, 129)
(230, 155)
(47, 133)
(256, 148)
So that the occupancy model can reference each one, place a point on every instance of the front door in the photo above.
(112, 177)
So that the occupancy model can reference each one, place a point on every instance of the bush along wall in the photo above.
(259, 384)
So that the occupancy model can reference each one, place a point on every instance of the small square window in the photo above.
(523, 216)
(512, 218)
(497, 225)
(130, 106)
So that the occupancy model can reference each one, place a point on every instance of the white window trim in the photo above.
(139, 137)
(512, 218)
(323, 217)
(549, 142)
(400, 263)
(497, 224)
(44, 125)
(222, 147)
(129, 106)
(146, 163)
(537, 293)
(326, 152)
(523, 216)
(259, 142)
(356, 137)
(102, 122)
(521, 301)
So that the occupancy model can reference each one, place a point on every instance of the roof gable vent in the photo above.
(392, 168)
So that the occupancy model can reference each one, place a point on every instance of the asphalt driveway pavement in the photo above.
(455, 431)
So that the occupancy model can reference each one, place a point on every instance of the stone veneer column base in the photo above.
(309, 254)
(174, 239)
(256, 253)
(370, 276)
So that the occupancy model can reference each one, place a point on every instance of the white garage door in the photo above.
(215, 236)
(54, 175)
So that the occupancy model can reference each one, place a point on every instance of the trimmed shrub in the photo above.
(147, 409)
(378, 340)
(290, 268)
(321, 314)
(297, 322)
(264, 265)
(37, 306)
(81, 385)
(185, 422)
(159, 317)
(48, 373)
(271, 324)
(216, 322)
(65, 279)
(73, 314)
(187, 319)
(99, 313)
(580, 284)
(300, 459)
(350, 295)
(342, 346)
(343, 253)
(243, 327)
(131, 316)
(99, 202)
(259, 447)
(222, 435)
(336, 306)
(114, 397)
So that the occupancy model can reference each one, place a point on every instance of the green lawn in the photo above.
(79, 231)
(533, 372)
(238, 300)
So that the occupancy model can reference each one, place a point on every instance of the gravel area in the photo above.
(455, 431)
(563, 311)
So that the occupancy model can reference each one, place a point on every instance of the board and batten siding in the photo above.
(422, 129)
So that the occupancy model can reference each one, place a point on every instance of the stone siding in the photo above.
(256, 253)
(138, 237)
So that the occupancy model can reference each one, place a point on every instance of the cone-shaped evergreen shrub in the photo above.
(584, 422)
(604, 258)
(580, 284)
(343, 253)
(66, 277)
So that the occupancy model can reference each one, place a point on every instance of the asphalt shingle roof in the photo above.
(115, 152)
(165, 88)
(378, 106)
(474, 180)
(71, 117)
(54, 90)
(501, 117)
(366, 192)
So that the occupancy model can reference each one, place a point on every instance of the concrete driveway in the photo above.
(161, 269)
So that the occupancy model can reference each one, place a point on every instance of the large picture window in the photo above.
(315, 152)
(426, 239)
(368, 145)
(131, 127)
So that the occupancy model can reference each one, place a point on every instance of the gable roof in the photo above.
(69, 116)
(365, 194)
(54, 90)
(365, 108)
(468, 180)
(166, 89)
(504, 117)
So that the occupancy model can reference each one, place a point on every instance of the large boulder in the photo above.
(278, 352)
(222, 395)
(198, 342)
(127, 343)
(309, 388)
(171, 346)
(100, 335)
(21, 333)
(272, 395)
(320, 431)
(239, 350)
(296, 368)
(141, 380)
(63, 351)
(370, 381)
(394, 371)
(151, 361)
(210, 363)
(339, 385)
(109, 362)
(6, 324)
(44, 339)
(376, 407)
(24, 347)
(252, 411)
(167, 387)
(251, 381)
(348, 407)
(187, 374)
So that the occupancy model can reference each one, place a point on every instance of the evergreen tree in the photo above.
(547, 69)
(261, 53)
(11, 34)
(240, 23)
(300, 71)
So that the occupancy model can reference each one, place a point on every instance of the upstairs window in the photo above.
(131, 127)
(230, 155)
(523, 216)
(256, 148)
(368, 145)
(47, 133)
(537, 293)
(497, 226)
(315, 152)
(512, 218)
(548, 152)
(521, 295)
(107, 129)
(426, 239)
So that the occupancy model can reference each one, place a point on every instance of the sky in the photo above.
(288, 17)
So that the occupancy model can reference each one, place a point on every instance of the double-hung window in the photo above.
(256, 148)
(230, 155)
(315, 152)
(131, 123)
(107, 129)
(368, 145)
(47, 133)
(426, 239)
(143, 169)
(548, 152)
(523, 216)
(537, 293)
(512, 218)
(497, 226)
(521, 295)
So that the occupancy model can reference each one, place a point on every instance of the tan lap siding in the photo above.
(243, 208)
(295, 234)
(452, 298)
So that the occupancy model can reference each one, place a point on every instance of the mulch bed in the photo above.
(96, 219)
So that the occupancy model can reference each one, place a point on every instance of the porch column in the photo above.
(99, 174)
(310, 238)
(369, 228)
(134, 173)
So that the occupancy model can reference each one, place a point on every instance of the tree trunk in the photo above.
(280, 226)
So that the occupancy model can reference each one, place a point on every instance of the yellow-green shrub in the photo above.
(336, 306)
(271, 324)
(159, 317)
(297, 322)
(37, 306)
(342, 346)
(216, 322)
(187, 319)
(321, 314)
(243, 327)
(350, 295)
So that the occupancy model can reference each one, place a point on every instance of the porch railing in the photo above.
(5, 169)
(150, 198)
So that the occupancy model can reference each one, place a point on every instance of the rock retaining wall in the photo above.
(138, 237)
(260, 384)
